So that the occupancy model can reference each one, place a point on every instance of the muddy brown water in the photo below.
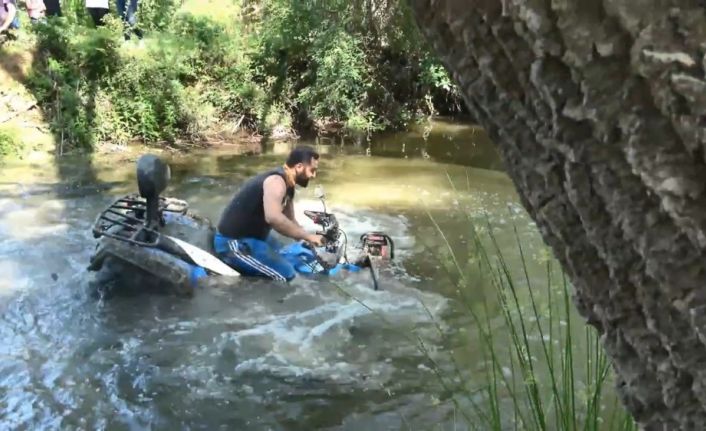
(314, 354)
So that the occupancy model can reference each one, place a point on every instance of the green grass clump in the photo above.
(10, 143)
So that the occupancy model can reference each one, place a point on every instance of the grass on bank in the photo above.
(10, 142)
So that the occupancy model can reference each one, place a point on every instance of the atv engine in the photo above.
(378, 244)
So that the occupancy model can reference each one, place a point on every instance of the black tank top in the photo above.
(244, 217)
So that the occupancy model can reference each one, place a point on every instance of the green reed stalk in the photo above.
(524, 399)
(536, 400)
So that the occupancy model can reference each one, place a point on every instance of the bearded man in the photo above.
(265, 202)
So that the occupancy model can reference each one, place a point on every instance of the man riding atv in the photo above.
(263, 203)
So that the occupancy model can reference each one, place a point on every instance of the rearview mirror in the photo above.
(319, 192)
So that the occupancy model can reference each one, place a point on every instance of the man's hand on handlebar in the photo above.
(315, 240)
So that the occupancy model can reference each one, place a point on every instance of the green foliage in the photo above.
(74, 62)
(153, 15)
(338, 77)
(362, 63)
(96, 87)
(148, 100)
(353, 63)
(433, 75)
(156, 15)
(221, 66)
(9, 142)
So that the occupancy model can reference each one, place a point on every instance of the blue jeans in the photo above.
(127, 12)
(250, 256)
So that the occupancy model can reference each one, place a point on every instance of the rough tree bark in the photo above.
(598, 108)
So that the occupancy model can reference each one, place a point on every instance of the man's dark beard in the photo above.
(301, 181)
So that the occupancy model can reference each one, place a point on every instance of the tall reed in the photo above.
(541, 370)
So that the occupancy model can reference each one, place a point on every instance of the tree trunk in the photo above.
(599, 111)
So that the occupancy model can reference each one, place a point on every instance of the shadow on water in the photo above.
(442, 140)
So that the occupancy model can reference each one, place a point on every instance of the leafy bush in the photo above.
(351, 63)
(361, 63)
(95, 88)
(157, 14)
(338, 77)
(73, 65)
(9, 142)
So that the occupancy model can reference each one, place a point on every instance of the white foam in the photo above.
(321, 342)
(355, 222)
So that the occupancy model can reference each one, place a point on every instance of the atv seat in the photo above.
(153, 176)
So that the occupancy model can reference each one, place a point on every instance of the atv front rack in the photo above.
(125, 220)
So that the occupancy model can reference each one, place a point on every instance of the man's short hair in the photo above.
(302, 154)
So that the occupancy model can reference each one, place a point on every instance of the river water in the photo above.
(314, 354)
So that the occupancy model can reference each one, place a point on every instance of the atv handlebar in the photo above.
(372, 244)
(330, 229)
(333, 248)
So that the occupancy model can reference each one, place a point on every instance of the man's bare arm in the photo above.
(289, 212)
(274, 190)
(11, 12)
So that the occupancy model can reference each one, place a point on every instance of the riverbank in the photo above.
(213, 72)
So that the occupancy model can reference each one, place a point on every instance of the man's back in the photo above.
(244, 217)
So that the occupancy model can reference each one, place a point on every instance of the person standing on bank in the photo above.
(36, 10)
(97, 9)
(263, 203)
(127, 10)
(8, 15)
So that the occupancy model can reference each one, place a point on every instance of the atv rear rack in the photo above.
(125, 220)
